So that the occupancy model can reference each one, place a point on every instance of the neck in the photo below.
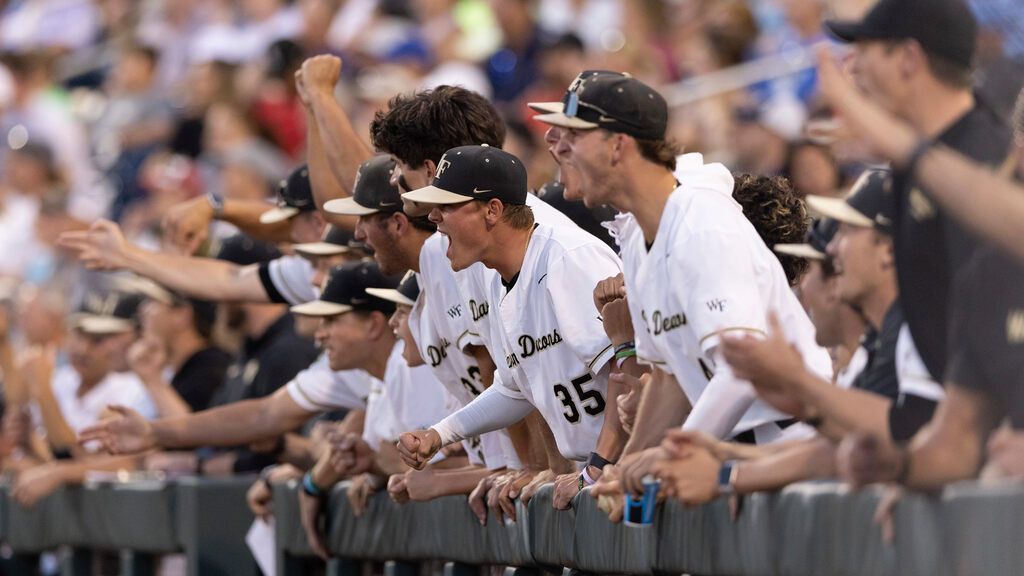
(182, 347)
(416, 240)
(644, 194)
(508, 251)
(932, 115)
(877, 303)
(88, 384)
(376, 362)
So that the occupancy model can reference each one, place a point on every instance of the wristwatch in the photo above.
(216, 202)
(727, 477)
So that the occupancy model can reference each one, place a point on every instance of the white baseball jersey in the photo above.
(406, 399)
(320, 389)
(473, 282)
(289, 280)
(708, 273)
(439, 320)
(554, 348)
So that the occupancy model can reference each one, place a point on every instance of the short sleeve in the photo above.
(320, 389)
(717, 275)
(570, 283)
(288, 280)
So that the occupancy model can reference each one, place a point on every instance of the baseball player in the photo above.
(555, 354)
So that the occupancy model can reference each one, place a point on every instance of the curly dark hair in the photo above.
(778, 215)
(424, 125)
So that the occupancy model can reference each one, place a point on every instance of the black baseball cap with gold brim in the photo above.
(868, 204)
(346, 291)
(406, 293)
(294, 196)
(475, 173)
(613, 102)
(558, 107)
(372, 191)
(818, 236)
(336, 241)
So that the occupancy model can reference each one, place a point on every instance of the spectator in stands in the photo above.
(812, 169)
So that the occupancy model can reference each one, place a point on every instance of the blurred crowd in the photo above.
(188, 153)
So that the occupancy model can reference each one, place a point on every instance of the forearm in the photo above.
(234, 424)
(613, 437)
(342, 147)
(75, 471)
(662, 406)
(58, 433)
(492, 410)
(721, 405)
(245, 214)
(844, 411)
(461, 481)
(547, 447)
(298, 451)
(806, 460)
(203, 278)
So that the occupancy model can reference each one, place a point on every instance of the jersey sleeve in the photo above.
(570, 284)
(288, 280)
(320, 389)
(717, 279)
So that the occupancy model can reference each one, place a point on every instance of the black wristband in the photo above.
(597, 461)
(920, 149)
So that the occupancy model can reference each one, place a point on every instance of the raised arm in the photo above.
(104, 247)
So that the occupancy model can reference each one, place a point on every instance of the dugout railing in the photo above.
(806, 529)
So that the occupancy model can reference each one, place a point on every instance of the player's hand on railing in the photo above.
(863, 459)
(609, 494)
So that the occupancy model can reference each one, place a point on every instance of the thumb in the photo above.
(410, 441)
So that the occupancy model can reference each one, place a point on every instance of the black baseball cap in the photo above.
(866, 205)
(554, 107)
(614, 102)
(944, 28)
(346, 291)
(112, 312)
(294, 195)
(406, 293)
(336, 241)
(818, 236)
(475, 173)
(372, 191)
(244, 250)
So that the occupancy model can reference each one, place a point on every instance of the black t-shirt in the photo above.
(201, 376)
(264, 365)
(930, 247)
(987, 331)
(879, 374)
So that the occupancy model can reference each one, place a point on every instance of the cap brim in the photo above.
(799, 250)
(562, 121)
(93, 324)
(435, 195)
(278, 214)
(144, 286)
(320, 249)
(849, 30)
(546, 107)
(320, 308)
(348, 207)
(391, 295)
(838, 210)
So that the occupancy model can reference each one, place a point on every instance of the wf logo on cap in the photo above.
(442, 166)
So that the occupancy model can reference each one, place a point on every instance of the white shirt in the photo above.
(320, 389)
(123, 388)
(407, 399)
(853, 368)
(440, 319)
(553, 344)
(707, 273)
(914, 378)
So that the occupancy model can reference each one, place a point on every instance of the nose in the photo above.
(393, 321)
(358, 232)
(395, 175)
(321, 333)
(435, 215)
(318, 277)
(553, 135)
(560, 148)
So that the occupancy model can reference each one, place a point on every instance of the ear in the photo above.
(319, 222)
(430, 167)
(377, 326)
(912, 59)
(493, 211)
(618, 142)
